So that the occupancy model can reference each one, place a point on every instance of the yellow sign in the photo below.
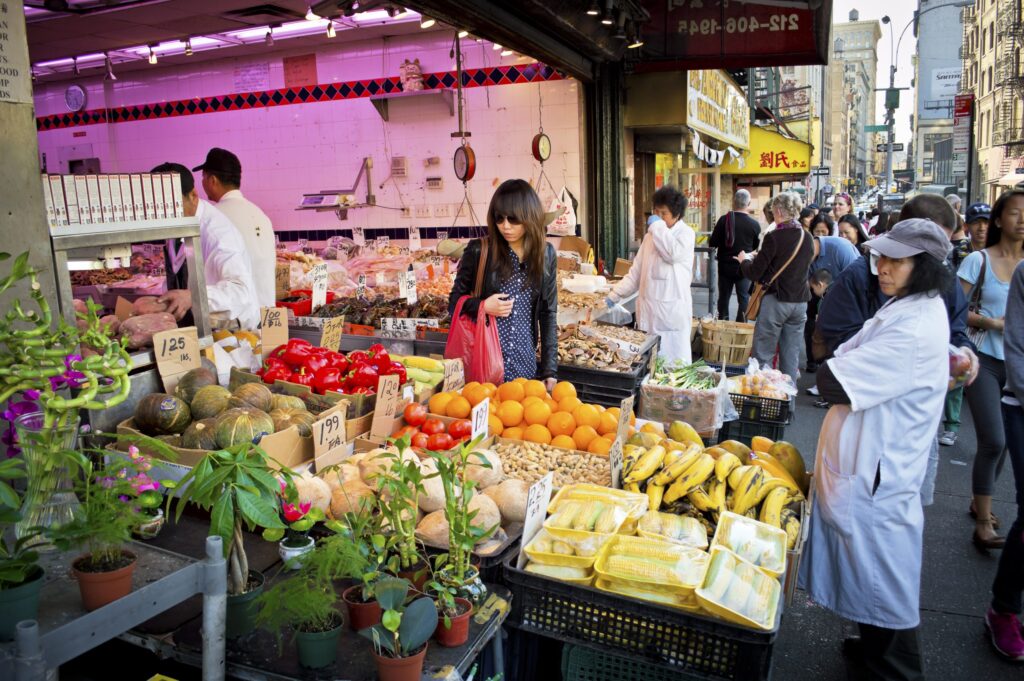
(716, 106)
(771, 154)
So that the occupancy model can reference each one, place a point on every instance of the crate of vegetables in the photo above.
(693, 393)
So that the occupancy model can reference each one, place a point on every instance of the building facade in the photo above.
(851, 100)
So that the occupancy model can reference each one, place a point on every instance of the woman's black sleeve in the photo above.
(830, 388)
(547, 317)
(465, 281)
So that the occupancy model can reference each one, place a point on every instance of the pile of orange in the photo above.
(523, 410)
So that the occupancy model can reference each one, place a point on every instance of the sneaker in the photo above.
(813, 390)
(1006, 635)
(948, 438)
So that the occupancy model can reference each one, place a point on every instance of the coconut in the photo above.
(510, 497)
(484, 477)
(352, 496)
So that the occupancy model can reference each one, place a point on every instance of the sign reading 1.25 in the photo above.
(175, 349)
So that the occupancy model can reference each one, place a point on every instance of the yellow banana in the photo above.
(791, 524)
(693, 476)
(771, 507)
(737, 475)
(671, 456)
(769, 483)
(725, 465)
(716, 490)
(700, 499)
(631, 487)
(745, 495)
(670, 473)
(654, 494)
(647, 464)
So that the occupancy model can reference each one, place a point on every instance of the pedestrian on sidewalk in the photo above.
(734, 232)
(851, 229)
(822, 225)
(1002, 617)
(978, 216)
(985, 278)
(887, 383)
(832, 254)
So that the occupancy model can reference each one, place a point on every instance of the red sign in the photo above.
(962, 106)
(734, 34)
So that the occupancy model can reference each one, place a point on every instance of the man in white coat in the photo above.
(888, 386)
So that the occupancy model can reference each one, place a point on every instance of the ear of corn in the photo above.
(607, 521)
(643, 569)
(558, 571)
(425, 363)
(567, 515)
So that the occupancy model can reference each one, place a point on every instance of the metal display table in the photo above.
(64, 630)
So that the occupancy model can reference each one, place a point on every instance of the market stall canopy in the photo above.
(772, 153)
(1011, 178)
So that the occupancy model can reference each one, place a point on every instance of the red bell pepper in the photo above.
(296, 352)
(376, 349)
(397, 369)
(338, 361)
(277, 373)
(327, 378)
(382, 360)
(302, 377)
(358, 356)
(316, 361)
(364, 376)
(362, 390)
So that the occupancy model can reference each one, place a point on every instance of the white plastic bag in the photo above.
(617, 315)
(565, 223)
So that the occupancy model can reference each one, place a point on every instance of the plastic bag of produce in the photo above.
(617, 315)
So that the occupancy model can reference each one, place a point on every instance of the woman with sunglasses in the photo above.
(661, 275)
(519, 285)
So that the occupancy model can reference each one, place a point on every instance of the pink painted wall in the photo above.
(290, 150)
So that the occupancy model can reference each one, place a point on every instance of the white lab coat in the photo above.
(863, 556)
(230, 288)
(661, 273)
(258, 233)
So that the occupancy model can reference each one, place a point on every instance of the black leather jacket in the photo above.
(545, 306)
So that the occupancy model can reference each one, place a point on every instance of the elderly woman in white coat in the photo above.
(888, 386)
(661, 275)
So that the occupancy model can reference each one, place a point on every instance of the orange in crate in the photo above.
(582, 436)
(600, 446)
(510, 413)
(512, 392)
(562, 390)
(475, 393)
(562, 423)
(438, 403)
(563, 441)
(537, 433)
(537, 413)
(459, 407)
(494, 425)
(587, 415)
(552, 405)
(609, 423)
(535, 388)
(569, 404)
(490, 389)
(513, 433)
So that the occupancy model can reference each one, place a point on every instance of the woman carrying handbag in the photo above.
(507, 281)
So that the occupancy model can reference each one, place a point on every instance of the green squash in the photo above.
(255, 395)
(236, 426)
(172, 440)
(210, 401)
(192, 381)
(287, 402)
(162, 414)
(200, 435)
(286, 418)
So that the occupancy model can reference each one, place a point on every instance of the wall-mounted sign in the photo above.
(716, 106)
(771, 154)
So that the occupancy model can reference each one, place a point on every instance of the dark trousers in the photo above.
(1009, 582)
(891, 654)
(726, 284)
(812, 315)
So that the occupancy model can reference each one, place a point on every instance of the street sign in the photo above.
(897, 146)
(821, 171)
(875, 128)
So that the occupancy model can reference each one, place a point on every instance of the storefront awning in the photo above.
(1011, 178)
(771, 154)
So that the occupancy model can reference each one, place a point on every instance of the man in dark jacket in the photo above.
(734, 232)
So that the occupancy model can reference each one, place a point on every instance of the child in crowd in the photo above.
(820, 281)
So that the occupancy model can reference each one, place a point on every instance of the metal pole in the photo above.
(970, 156)
(890, 118)
(28, 663)
(215, 610)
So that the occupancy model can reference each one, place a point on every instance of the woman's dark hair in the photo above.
(823, 218)
(850, 219)
(516, 200)
(930, 276)
(671, 198)
(885, 222)
(806, 213)
(995, 232)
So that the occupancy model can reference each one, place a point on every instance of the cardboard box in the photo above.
(84, 206)
(116, 203)
(92, 183)
(106, 207)
(138, 200)
(622, 267)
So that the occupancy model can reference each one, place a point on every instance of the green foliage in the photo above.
(17, 559)
(303, 602)
(357, 550)
(404, 628)
(398, 498)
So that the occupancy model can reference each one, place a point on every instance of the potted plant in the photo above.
(299, 519)
(102, 526)
(455, 569)
(40, 360)
(237, 487)
(452, 614)
(21, 577)
(148, 498)
(398, 495)
(306, 603)
(400, 640)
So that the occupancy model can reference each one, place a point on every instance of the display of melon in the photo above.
(255, 395)
(172, 440)
(192, 381)
(209, 401)
(239, 425)
(286, 418)
(287, 402)
(162, 414)
(200, 435)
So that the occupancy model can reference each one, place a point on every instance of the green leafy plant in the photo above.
(18, 562)
(444, 596)
(357, 550)
(304, 602)
(458, 492)
(403, 628)
(398, 498)
(237, 487)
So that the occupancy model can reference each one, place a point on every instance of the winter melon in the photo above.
(192, 381)
(162, 414)
(209, 401)
(236, 426)
(200, 435)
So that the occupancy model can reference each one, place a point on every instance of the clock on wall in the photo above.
(74, 97)
(541, 147)
(465, 163)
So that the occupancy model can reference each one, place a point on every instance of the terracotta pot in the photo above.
(361, 615)
(400, 668)
(100, 588)
(416, 575)
(458, 633)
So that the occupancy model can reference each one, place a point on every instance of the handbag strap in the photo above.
(791, 258)
(480, 266)
(978, 285)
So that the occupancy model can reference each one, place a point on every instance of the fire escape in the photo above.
(967, 45)
(1009, 128)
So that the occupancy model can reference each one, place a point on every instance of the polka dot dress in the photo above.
(515, 331)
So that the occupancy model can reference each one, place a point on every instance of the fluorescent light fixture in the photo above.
(593, 10)
(152, 55)
(463, 33)
(310, 15)
(607, 19)
(330, 29)
(495, 47)
(427, 22)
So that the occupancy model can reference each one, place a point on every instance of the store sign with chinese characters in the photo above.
(771, 154)
(717, 107)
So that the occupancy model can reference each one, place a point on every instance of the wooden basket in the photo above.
(726, 342)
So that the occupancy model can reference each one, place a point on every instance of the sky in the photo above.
(901, 12)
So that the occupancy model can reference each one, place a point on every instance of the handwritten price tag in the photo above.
(441, 236)
(303, 243)
(273, 328)
(358, 236)
(389, 397)
(329, 433)
(381, 280)
(383, 242)
(479, 419)
(319, 276)
(537, 499)
(334, 242)
(330, 335)
(415, 243)
(615, 456)
(177, 351)
(407, 287)
(361, 285)
(454, 375)
(282, 280)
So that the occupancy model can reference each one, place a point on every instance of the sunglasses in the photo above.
(512, 219)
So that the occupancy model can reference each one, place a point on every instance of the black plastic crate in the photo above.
(650, 633)
(763, 409)
(744, 431)
(584, 664)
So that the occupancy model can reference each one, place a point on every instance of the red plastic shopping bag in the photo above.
(477, 344)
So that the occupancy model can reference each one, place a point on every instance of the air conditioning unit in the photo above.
(399, 166)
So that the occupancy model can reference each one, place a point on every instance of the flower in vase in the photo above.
(71, 377)
(15, 409)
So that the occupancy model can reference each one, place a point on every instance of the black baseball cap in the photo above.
(222, 162)
(188, 183)
(978, 211)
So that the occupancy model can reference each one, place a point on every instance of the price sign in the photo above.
(329, 432)
(177, 351)
(414, 239)
(441, 236)
(615, 456)
(380, 279)
(330, 335)
(383, 242)
(389, 399)
(361, 285)
(334, 242)
(303, 243)
(537, 500)
(319, 276)
(654, 358)
(282, 280)
(358, 236)
(273, 328)
(436, 260)
(479, 419)
(407, 287)
(454, 375)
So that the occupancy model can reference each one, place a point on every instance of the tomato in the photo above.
(415, 414)
(432, 427)
(460, 429)
(440, 442)
(407, 430)
(420, 440)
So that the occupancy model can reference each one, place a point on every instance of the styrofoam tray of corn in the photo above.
(738, 592)
(686, 602)
(652, 563)
(547, 549)
(754, 541)
(563, 573)
(635, 503)
(678, 529)
(579, 520)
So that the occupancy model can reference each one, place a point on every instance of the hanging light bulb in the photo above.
(463, 33)
(188, 47)
(152, 55)
(110, 69)
(269, 39)
(593, 10)
(607, 19)
(427, 22)
(506, 52)
(635, 40)
(495, 47)
(330, 29)
(310, 15)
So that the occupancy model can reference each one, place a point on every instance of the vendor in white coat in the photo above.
(888, 386)
(661, 275)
